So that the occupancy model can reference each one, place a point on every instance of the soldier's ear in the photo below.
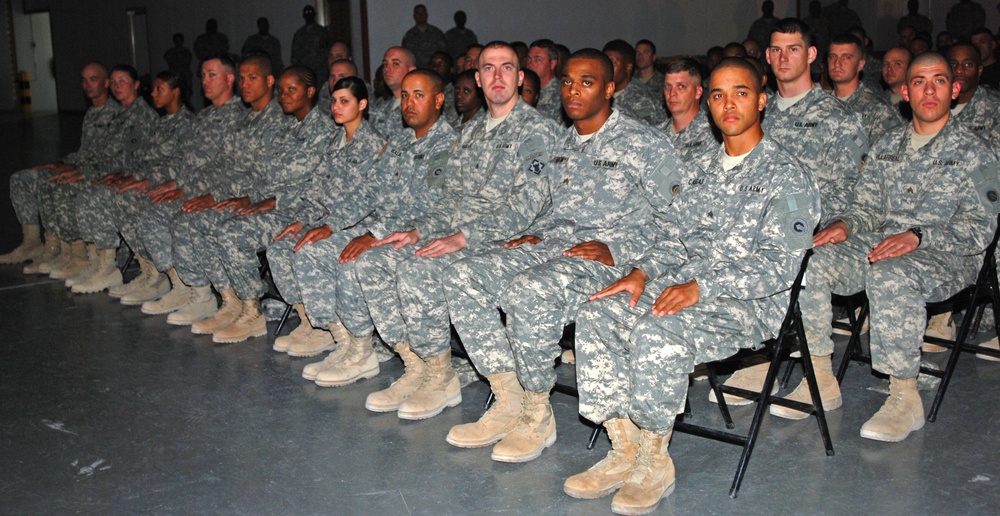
(905, 91)
(439, 100)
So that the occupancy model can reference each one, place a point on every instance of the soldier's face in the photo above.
(95, 84)
(123, 87)
(753, 50)
(529, 93)
(338, 72)
(338, 51)
(163, 94)
(539, 62)
(930, 92)
(254, 85)
(965, 66)
(986, 45)
(622, 69)
(346, 107)
(498, 75)
(894, 67)
(789, 56)
(843, 63)
(294, 96)
(420, 104)
(644, 56)
(441, 66)
(216, 81)
(395, 66)
(585, 91)
(734, 100)
(466, 97)
(472, 58)
(681, 92)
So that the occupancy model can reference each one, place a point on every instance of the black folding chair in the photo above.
(272, 291)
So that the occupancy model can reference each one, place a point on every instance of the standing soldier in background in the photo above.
(311, 44)
(459, 38)
(263, 41)
(424, 39)
(212, 43)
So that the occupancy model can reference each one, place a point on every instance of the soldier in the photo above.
(871, 73)
(386, 116)
(423, 39)
(983, 39)
(406, 178)
(633, 101)
(344, 173)
(543, 59)
(760, 29)
(25, 185)
(493, 191)
(978, 109)
(646, 73)
(530, 87)
(338, 70)
(468, 97)
(688, 127)
(716, 282)
(178, 61)
(894, 64)
(263, 41)
(310, 44)
(472, 57)
(212, 43)
(202, 149)
(598, 221)
(459, 38)
(819, 131)
(845, 59)
(964, 18)
(442, 64)
(923, 212)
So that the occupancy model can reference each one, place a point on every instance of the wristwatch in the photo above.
(920, 234)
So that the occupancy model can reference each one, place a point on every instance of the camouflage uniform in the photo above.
(406, 179)
(325, 98)
(196, 258)
(741, 235)
(448, 111)
(871, 74)
(268, 44)
(635, 102)
(423, 43)
(203, 147)
(878, 116)
(289, 161)
(550, 100)
(981, 115)
(694, 139)
(494, 191)
(602, 190)
(945, 189)
(653, 86)
(310, 48)
(828, 139)
(386, 117)
(26, 185)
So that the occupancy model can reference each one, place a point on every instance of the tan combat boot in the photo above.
(318, 341)
(534, 431)
(105, 274)
(388, 399)
(30, 248)
(155, 286)
(611, 472)
(749, 378)
(51, 253)
(498, 420)
(251, 323)
(224, 316)
(199, 304)
(993, 343)
(901, 414)
(829, 391)
(652, 477)
(942, 327)
(93, 263)
(304, 328)
(76, 262)
(439, 388)
(342, 345)
(358, 363)
(178, 296)
(61, 260)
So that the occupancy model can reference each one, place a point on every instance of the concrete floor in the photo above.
(106, 411)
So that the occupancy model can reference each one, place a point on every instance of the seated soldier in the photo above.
(530, 88)
(633, 101)
(688, 127)
(922, 215)
(716, 281)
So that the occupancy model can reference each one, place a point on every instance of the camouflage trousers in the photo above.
(897, 289)
(155, 223)
(128, 218)
(238, 240)
(538, 289)
(330, 289)
(196, 255)
(406, 297)
(633, 364)
(24, 191)
(58, 208)
(96, 216)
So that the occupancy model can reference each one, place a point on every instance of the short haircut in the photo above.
(646, 42)
(685, 65)
(350, 51)
(444, 55)
(407, 54)
(348, 62)
(128, 69)
(624, 49)
(437, 83)
(741, 51)
(931, 58)
(848, 39)
(970, 46)
(794, 26)
(500, 44)
(742, 64)
(103, 67)
(227, 63)
(261, 60)
(529, 76)
(909, 55)
(980, 31)
(596, 55)
(548, 45)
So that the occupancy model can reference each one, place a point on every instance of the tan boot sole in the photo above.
(549, 441)
(890, 438)
(795, 415)
(417, 416)
(630, 511)
(474, 444)
(591, 495)
(363, 375)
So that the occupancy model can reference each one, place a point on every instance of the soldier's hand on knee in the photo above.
(138, 186)
(592, 250)
(169, 196)
(232, 204)
(199, 204)
(400, 239)
(259, 207)
(312, 236)
(676, 298)
(356, 247)
(634, 283)
(833, 234)
(292, 230)
(160, 188)
(894, 246)
(526, 239)
(443, 246)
